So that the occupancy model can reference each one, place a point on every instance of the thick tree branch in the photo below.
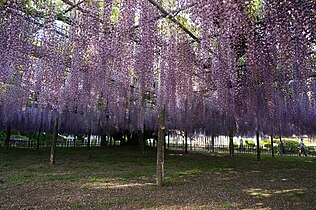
(73, 7)
(173, 19)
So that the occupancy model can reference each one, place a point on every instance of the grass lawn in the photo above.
(119, 178)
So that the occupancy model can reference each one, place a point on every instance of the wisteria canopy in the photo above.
(102, 66)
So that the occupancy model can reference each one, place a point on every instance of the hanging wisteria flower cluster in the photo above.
(106, 66)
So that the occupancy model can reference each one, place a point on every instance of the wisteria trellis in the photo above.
(104, 66)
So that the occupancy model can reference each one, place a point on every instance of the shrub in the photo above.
(311, 150)
(291, 146)
(264, 141)
(268, 145)
(250, 143)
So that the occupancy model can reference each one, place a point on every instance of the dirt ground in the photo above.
(120, 178)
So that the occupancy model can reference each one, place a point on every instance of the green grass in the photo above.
(119, 177)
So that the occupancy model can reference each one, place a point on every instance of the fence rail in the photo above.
(247, 149)
(238, 149)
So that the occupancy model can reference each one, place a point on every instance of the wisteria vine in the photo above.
(106, 66)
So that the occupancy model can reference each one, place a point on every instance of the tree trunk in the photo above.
(8, 136)
(186, 143)
(231, 144)
(258, 146)
(53, 145)
(272, 147)
(168, 140)
(160, 149)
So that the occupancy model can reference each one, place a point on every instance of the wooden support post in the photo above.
(160, 149)
(53, 145)
(103, 141)
(89, 138)
(8, 136)
(38, 140)
(272, 146)
(141, 143)
(39, 133)
(258, 146)
(186, 143)
(213, 143)
(231, 144)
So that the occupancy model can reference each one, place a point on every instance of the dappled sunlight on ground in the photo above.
(290, 191)
(257, 192)
(115, 185)
(263, 193)
(176, 154)
(255, 171)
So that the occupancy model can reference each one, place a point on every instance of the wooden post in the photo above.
(213, 143)
(164, 143)
(231, 144)
(39, 133)
(141, 143)
(53, 145)
(272, 147)
(160, 149)
(8, 136)
(258, 146)
(142, 133)
(186, 143)
(75, 137)
(38, 139)
(89, 138)
(282, 146)
(103, 141)
(29, 141)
